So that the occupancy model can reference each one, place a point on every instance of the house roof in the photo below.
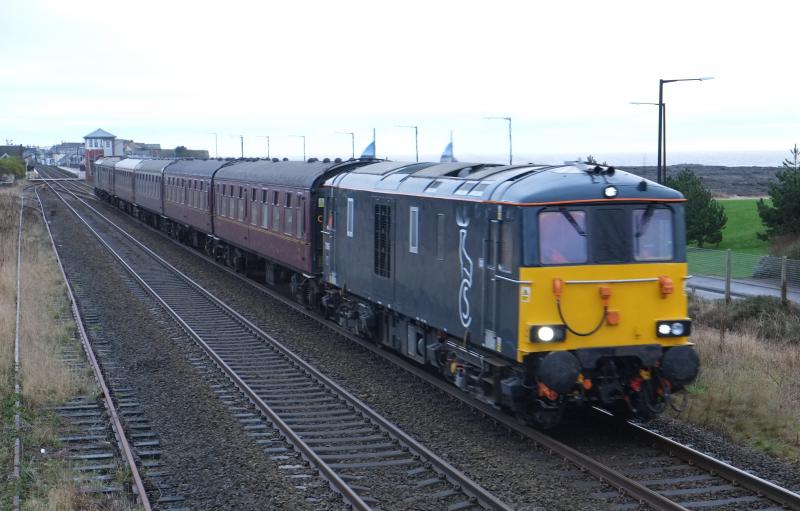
(98, 133)
(11, 150)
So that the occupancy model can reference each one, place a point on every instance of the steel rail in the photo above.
(471, 488)
(724, 470)
(119, 431)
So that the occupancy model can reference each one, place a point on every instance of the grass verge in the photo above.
(745, 390)
(46, 330)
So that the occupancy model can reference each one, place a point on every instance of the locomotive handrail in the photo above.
(513, 281)
(611, 281)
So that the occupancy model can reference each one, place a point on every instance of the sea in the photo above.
(632, 159)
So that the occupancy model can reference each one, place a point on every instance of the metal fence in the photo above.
(777, 272)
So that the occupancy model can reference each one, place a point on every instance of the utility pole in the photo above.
(416, 139)
(510, 148)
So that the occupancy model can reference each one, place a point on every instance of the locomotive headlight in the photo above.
(673, 328)
(545, 334)
(610, 192)
(548, 333)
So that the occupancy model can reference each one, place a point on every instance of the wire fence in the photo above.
(779, 272)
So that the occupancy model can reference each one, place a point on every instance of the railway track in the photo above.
(87, 415)
(366, 458)
(663, 475)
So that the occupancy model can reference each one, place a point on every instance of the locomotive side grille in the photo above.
(383, 240)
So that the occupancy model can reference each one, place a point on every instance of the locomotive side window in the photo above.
(506, 256)
(440, 236)
(562, 237)
(350, 217)
(413, 230)
(653, 238)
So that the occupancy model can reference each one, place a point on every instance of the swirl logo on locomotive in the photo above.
(466, 270)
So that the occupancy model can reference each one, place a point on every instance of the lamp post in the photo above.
(216, 151)
(304, 144)
(267, 137)
(510, 147)
(662, 108)
(416, 138)
(352, 142)
(662, 156)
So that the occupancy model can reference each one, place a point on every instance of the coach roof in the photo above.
(203, 168)
(153, 165)
(295, 174)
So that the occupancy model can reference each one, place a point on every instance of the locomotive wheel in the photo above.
(542, 417)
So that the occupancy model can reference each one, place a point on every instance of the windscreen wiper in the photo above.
(572, 221)
(648, 214)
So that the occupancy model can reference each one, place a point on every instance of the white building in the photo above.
(101, 139)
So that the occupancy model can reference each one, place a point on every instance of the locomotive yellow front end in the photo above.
(602, 307)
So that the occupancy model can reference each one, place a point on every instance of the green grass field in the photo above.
(739, 234)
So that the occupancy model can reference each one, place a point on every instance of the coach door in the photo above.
(383, 246)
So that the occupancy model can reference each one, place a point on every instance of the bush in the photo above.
(12, 166)
(763, 316)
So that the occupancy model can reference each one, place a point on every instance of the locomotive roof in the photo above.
(296, 174)
(515, 184)
(204, 168)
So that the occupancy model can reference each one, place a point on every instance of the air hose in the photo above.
(581, 334)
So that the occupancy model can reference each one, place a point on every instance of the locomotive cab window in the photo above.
(653, 238)
(562, 237)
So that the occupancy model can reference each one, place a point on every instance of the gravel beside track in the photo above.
(214, 463)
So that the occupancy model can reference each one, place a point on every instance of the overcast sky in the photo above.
(172, 72)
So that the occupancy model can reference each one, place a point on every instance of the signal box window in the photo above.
(562, 237)
(652, 234)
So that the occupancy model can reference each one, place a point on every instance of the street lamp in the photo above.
(304, 144)
(663, 108)
(662, 167)
(267, 137)
(416, 137)
(510, 150)
(216, 151)
(352, 142)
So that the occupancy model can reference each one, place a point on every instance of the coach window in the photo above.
(276, 212)
(350, 217)
(264, 210)
(300, 205)
(288, 215)
(413, 230)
